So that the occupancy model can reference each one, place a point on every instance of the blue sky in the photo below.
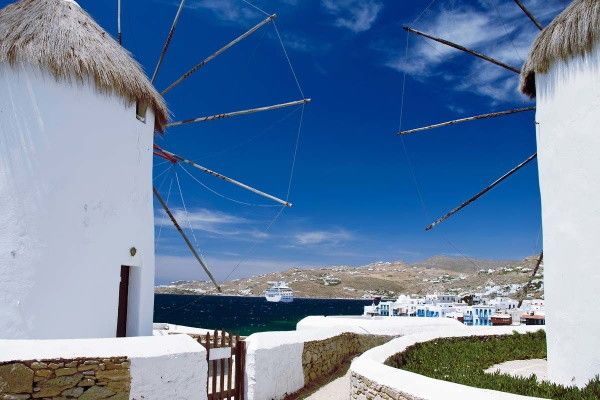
(354, 197)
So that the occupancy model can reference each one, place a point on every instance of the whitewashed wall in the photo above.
(274, 362)
(568, 139)
(75, 196)
(274, 359)
(392, 326)
(371, 365)
(162, 368)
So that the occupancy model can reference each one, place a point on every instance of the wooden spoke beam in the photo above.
(481, 193)
(238, 113)
(229, 45)
(168, 40)
(467, 119)
(119, 32)
(529, 14)
(175, 158)
(533, 274)
(462, 48)
(185, 238)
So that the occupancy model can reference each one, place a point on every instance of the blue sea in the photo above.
(246, 315)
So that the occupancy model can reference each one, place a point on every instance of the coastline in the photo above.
(259, 297)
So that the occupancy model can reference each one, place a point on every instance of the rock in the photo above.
(72, 364)
(65, 371)
(46, 373)
(14, 397)
(38, 365)
(53, 387)
(56, 365)
(121, 386)
(16, 378)
(113, 375)
(120, 365)
(96, 393)
(87, 382)
(73, 392)
(88, 367)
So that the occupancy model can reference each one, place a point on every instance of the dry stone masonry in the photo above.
(321, 358)
(365, 389)
(82, 379)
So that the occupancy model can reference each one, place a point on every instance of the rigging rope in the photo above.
(161, 225)
(222, 195)
(187, 215)
(423, 12)
(287, 198)
(250, 251)
(506, 30)
(288, 59)
(253, 246)
(162, 173)
(256, 8)
(252, 138)
(411, 166)
(298, 135)
(282, 45)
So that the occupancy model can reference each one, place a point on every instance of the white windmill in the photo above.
(562, 73)
(77, 123)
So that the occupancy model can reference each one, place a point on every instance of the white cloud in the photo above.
(214, 222)
(497, 29)
(355, 15)
(302, 43)
(226, 10)
(322, 237)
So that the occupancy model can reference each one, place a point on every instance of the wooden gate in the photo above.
(226, 356)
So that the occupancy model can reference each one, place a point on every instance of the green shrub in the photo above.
(464, 359)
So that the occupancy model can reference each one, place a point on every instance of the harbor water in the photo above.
(246, 315)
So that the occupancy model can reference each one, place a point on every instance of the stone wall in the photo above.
(320, 358)
(82, 379)
(363, 389)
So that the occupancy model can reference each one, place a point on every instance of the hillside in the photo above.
(439, 274)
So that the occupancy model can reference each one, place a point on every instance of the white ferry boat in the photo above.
(279, 292)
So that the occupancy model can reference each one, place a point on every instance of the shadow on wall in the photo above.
(326, 360)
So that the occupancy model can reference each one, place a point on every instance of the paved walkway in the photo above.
(338, 389)
(522, 368)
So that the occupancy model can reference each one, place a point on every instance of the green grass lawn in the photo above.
(463, 360)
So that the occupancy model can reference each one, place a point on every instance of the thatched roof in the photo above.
(60, 37)
(572, 33)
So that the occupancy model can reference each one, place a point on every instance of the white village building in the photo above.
(563, 73)
(77, 120)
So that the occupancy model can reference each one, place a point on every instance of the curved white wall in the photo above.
(75, 196)
(392, 326)
(371, 365)
(568, 117)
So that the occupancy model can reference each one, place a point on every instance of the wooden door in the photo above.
(123, 295)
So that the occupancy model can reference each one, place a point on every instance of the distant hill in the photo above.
(441, 274)
(463, 264)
